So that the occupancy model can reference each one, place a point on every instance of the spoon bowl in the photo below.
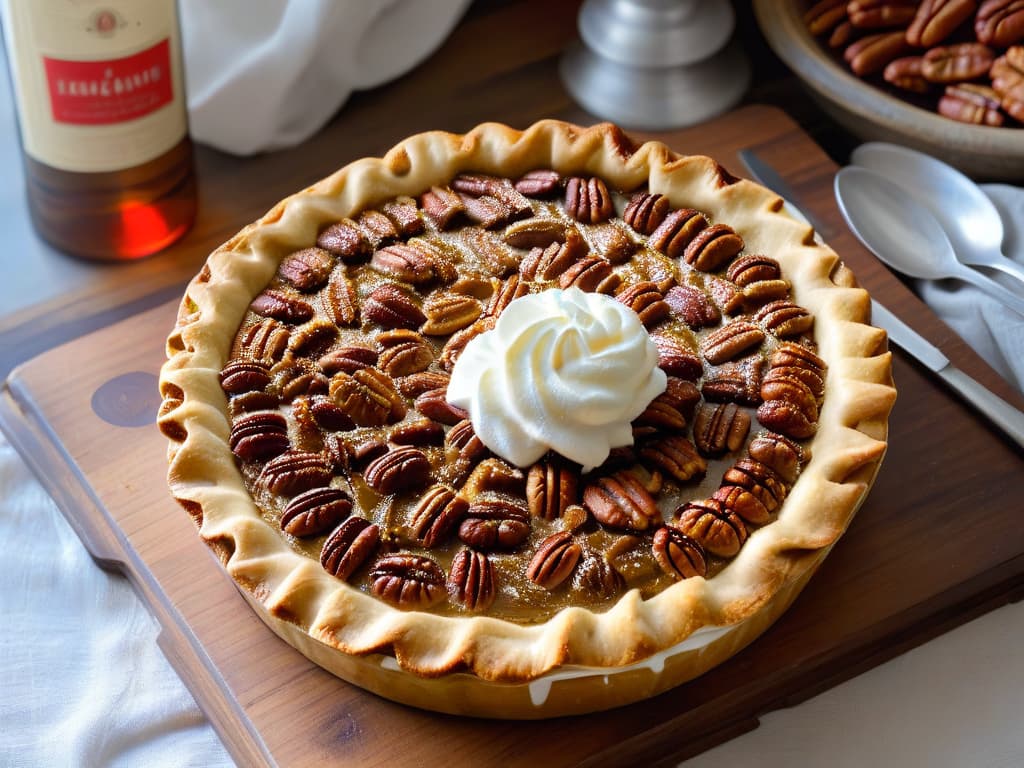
(968, 216)
(903, 233)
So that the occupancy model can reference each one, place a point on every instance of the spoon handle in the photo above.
(992, 288)
(1003, 264)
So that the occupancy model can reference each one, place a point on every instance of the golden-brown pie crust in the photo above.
(444, 661)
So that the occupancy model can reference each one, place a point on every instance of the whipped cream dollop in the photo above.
(561, 370)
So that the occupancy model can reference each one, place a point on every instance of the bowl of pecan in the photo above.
(943, 76)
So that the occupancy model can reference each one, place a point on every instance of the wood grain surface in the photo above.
(937, 542)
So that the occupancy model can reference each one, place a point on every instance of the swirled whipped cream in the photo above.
(561, 370)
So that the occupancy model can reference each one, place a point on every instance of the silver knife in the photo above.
(1002, 414)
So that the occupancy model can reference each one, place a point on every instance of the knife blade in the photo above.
(1000, 413)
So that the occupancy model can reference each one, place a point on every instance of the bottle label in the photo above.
(105, 92)
(98, 85)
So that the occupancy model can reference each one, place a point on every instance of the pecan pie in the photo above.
(522, 424)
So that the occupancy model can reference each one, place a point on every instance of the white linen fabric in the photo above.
(83, 683)
(267, 74)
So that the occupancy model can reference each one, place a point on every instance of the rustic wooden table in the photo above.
(501, 64)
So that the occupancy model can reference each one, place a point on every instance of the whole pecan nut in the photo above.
(315, 511)
(677, 554)
(471, 580)
(554, 560)
(620, 501)
(408, 581)
(401, 469)
(718, 530)
(349, 547)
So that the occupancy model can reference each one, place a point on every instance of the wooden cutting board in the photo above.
(938, 542)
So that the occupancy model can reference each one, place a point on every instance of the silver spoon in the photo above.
(904, 234)
(969, 217)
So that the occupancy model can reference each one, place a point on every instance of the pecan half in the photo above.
(676, 232)
(1007, 75)
(408, 581)
(779, 453)
(935, 20)
(401, 469)
(712, 247)
(760, 480)
(1000, 22)
(871, 54)
(434, 405)
(675, 360)
(554, 560)
(752, 268)
(352, 544)
(494, 476)
(417, 433)
(404, 216)
(731, 341)
(779, 385)
(591, 274)
(692, 306)
(391, 307)
(313, 337)
(346, 241)
(403, 352)
(620, 501)
(720, 428)
(538, 183)
(436, 515)
(675, 456)
(677, 554)
(789, 353)
(293, 472)
(743, 503)
(244, 375)
(510, 290)
(307, 269)
(442, 206)
(719, 530)
(378, 228)
(957, 63)
(824, 15)
(969, 103)
(315, 511)
(471, 580)
(458, 341)
(415, 384)
(368, 397)
(349, 359)
(464, 440)
(494, 524)
(646, 300)
(671, 410)
(282, 306)
(329, 416)
(878, 14)
(296, 376)
(595, 576)
(259, 436)
(588, 200)
(537, 232)
(784, 318)
(645, 211)
(339, 300)
(552, 486)
(549, 262)
(784, 417)
(410, 262)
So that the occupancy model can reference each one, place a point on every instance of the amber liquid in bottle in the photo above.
(108, 161)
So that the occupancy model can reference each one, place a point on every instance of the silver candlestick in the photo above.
(655, 64)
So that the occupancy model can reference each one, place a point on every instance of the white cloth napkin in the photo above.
(993, 330)
(83, 683)
(266, 74)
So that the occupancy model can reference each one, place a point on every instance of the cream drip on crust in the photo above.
(562, 370)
